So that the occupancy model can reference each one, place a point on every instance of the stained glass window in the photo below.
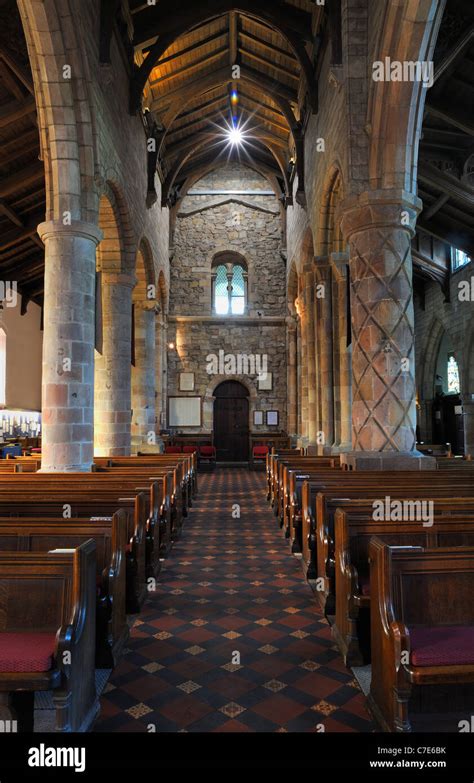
(229, 290)
(221, 295)
(454, 386)
(238, 291)
(460, 258)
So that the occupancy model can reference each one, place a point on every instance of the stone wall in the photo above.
(211, 222)
(437, 320)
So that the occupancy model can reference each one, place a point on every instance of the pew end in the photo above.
(49, 618)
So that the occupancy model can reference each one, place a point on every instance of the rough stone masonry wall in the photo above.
(456, 319)
(251, 226)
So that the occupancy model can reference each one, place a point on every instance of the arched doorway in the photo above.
(231, 422)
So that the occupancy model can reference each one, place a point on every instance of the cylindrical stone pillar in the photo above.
(342, 354)
(292, 379)
(112, 409)
(379, 226)
(323, 304)
(68, 345)
(143, 375)
(303, 375)
(311, 356)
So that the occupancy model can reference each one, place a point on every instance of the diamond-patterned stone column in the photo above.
(112, 410)
(68, 345)
(379, 226)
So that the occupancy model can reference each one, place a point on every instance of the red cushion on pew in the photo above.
(207, 451)
(35, 451)
(172, 449)
(364, 585)
(442, 645)
(260, 451)
(189, 449)
(26, 652)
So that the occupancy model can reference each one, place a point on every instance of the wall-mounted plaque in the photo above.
(186, 381)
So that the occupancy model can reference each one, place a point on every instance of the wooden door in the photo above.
(231, 422)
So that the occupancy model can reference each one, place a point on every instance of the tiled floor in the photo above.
(232, 639)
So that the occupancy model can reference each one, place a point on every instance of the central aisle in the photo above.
(230, 588)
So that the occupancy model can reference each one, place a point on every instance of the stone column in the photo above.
(68, 345)
(143, 375)
(303, 375)
(323, 302)
(342, 354)
(112, 414)
(160, 377)
(292, 380)
(379, 226)
(311, 358)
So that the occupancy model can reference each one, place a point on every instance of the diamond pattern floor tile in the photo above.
(232, 640)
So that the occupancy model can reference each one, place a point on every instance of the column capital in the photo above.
(77, 228)
(322, 267)
(379, 209)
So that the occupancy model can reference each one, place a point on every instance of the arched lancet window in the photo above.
(229, 289)
(454, 385)
(3, 366)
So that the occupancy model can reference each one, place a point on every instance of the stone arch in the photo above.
(292, 288)
(53, 39)
(208, 400)
(436, 333)
(329, 236)
(395, 112)
(116, 258)
(118, 249)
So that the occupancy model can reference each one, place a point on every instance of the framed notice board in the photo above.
(184, 411)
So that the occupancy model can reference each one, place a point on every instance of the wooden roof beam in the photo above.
(269, 64)
(192, 48)
(161, 18)
(20, 72)
(451, 116)
(433, 177)
(15, 110)
(190, 68)
(454, 53)
(22, 179)
(233, 38)
(18, 235)
(158, 24)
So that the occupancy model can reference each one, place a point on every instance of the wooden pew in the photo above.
(51, 502)
(353, 532)
(422, 637)
(318, 512)
(271, 463)
(327, 502)
(47, 641)
(127, 481)
(110, 537)
(182, 483)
